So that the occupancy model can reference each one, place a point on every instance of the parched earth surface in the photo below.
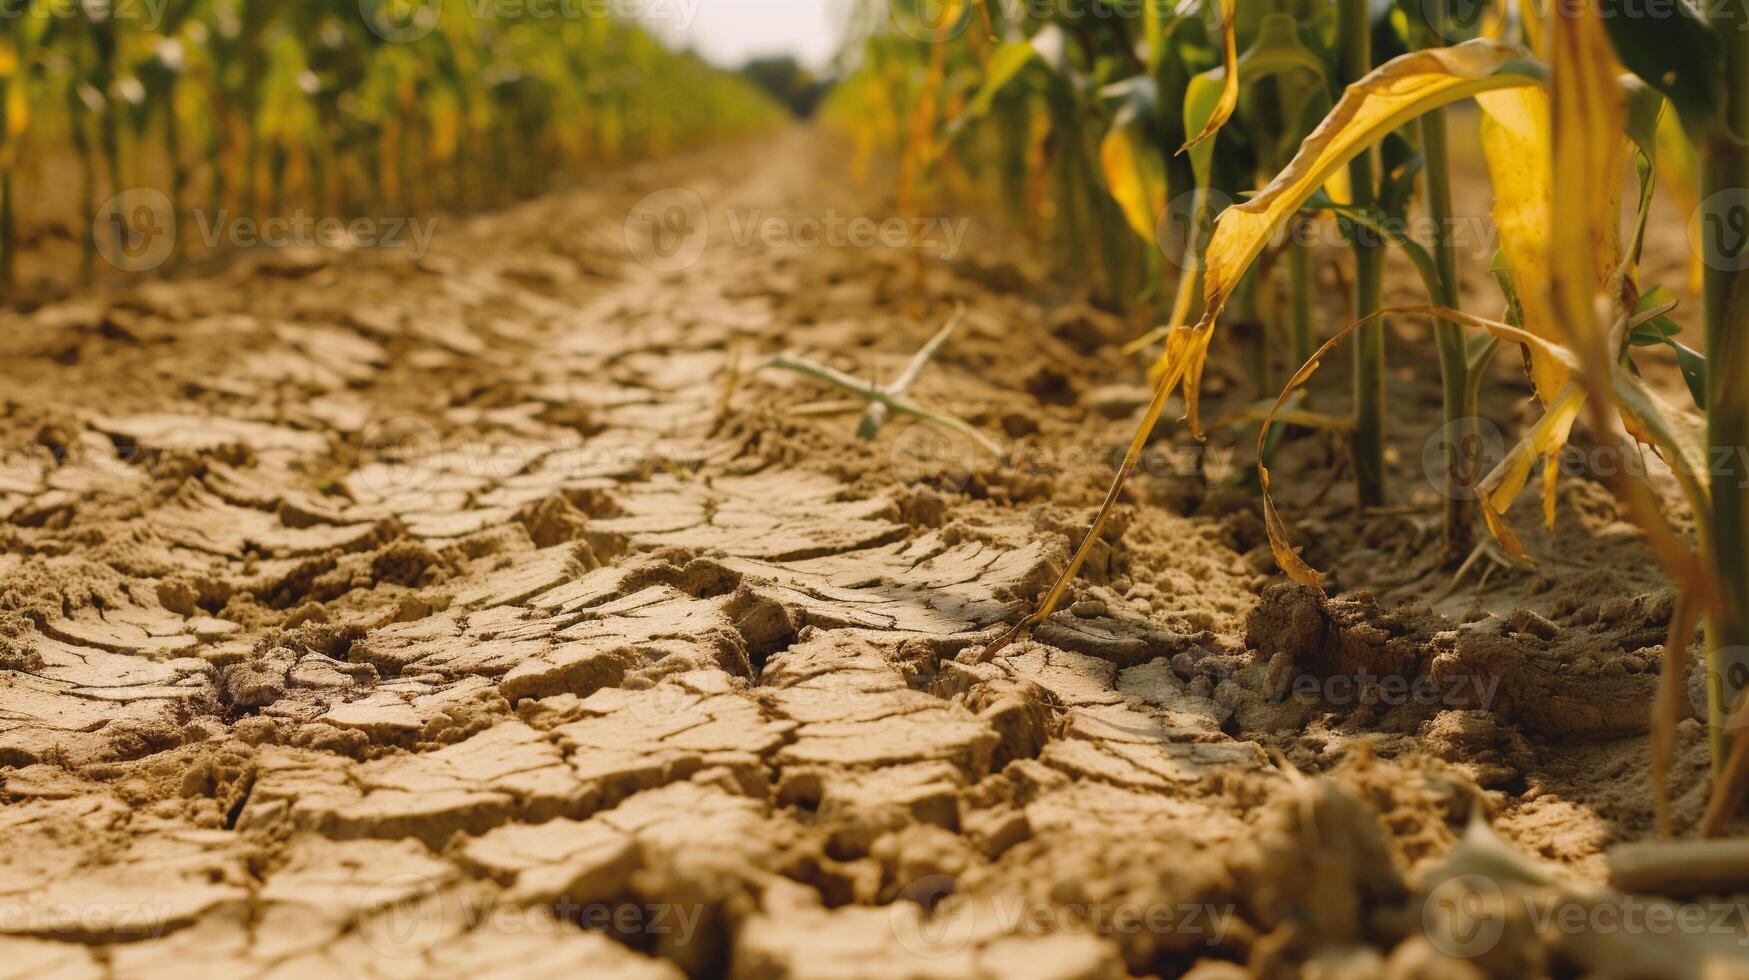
(453, 617)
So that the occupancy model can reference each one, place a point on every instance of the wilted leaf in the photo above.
(1279, 543)
(1384, 100)
(1130, 156)
(1499, 490)
(1388, 97)
(1228, 76)
(1517, 145)
(1587, 118)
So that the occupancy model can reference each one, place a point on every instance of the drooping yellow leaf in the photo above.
(1520, 155)
(1229, 72)
(1678, 164)
(1279, 543)
(1533, 19)
(1388, 97)
(1184, 346)
(1588, 114)
(1391, 95)
(1135, 172)
(1501, 487)
(1588, 120)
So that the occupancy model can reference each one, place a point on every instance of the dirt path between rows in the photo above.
(431, 618)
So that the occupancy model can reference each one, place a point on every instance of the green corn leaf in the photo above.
(1672, 50)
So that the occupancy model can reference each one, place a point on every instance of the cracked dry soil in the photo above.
(377, 618)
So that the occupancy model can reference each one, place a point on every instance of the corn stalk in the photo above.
(1355, 41)
(1725, 178)
(1459, 409)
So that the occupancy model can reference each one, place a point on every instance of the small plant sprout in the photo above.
(888, 400)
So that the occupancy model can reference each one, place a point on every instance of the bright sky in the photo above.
(728, 32)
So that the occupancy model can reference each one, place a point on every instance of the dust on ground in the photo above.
(433, 617)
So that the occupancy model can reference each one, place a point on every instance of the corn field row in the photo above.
(346, 107)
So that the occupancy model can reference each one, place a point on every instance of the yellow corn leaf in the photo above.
(1184, 346)
(1533, 18)
(1517, 145)
(1391, 95)
(1588, 114)
(1588, 121)
(1678, 166)
(17, 109)
(1648, 419)
(1338, 188)
(1667, 706)
(1518, 148)
(1229, 71)
(1552, 483)
(1279, 543)
(1135, 172)
(1500, 489)
(1388, 97)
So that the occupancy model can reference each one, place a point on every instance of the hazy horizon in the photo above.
(728, 33)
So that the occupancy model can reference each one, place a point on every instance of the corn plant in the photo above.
(1564, 89)
(17, 52)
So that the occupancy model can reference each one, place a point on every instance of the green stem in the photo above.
(1369, 377)
(1355, 34)
(1069, 190)
(8, 232)
(178, 171)
(1725, 172)
(1453, 366)
(8, 229)
(878, 412)
(76, 123)
(1299, 260)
